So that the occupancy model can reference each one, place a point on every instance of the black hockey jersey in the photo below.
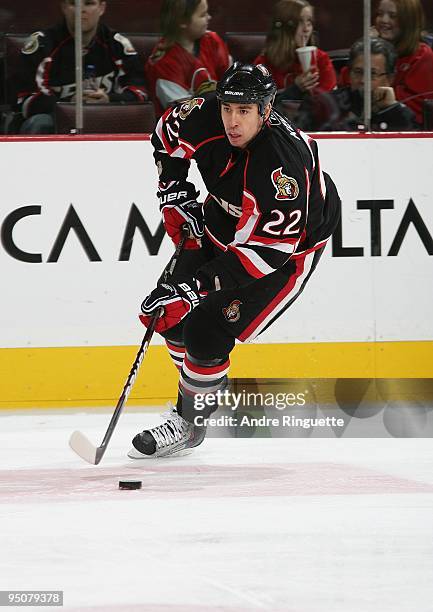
(267, 203)
(46, 72)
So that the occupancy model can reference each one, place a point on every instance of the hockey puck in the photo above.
(130, 484)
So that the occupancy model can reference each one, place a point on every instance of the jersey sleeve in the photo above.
(175, 74)
(327, 75)
(323, 202)
(275, 205)
(34, 94)
(414, 80)
(170, 81)
(179, 133)
(130, 85)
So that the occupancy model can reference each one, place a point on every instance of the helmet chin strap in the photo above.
(264, 107)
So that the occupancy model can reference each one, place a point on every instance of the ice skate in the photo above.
(173, 436)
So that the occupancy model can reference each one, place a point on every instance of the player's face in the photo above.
(242, 122)
(198, 23)
(387, 21)
(91, 11)
(379, 77)
(305, 27)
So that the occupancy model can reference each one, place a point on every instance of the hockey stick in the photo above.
(79, 443)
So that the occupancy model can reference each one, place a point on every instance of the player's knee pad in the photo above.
(204, 339)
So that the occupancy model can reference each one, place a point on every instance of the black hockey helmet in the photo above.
(247, 83)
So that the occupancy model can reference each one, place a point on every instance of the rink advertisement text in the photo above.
(84, 242)
(410, 221)
(73, 227)
(137, 228)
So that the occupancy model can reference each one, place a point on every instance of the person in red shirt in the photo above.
(188, 59)
(401, 22)
(292, 27)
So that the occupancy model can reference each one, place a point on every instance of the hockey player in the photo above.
(267, 218)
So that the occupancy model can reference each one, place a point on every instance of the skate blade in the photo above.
(136, 455)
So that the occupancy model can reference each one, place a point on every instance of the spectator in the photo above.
(189, 58)
(401, 22)
(112, 71)
(343, 108)
(292, 27)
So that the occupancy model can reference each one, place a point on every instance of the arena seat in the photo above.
(143, 43)
(339, 58)
(245, 46)
(110, 118)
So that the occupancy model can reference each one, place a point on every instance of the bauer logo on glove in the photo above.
(193, 297)
(165, 198)
(179, 206)
(176, 300)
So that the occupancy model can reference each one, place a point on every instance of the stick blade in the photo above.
(84, 448)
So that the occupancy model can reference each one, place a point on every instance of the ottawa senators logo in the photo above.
(188, 106)
(286, 186)
(232, 312)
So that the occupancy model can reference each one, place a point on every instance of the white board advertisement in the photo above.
(82, 244)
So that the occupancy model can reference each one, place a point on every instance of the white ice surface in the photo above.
(302, 525)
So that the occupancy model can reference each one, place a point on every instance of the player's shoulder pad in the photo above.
(275, 172)
(195, 120)
(292, 136)
(278, 120)
(205, 103)
(274, 179)
(33, 43)
(128, 47)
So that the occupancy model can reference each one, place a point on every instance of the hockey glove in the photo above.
(176, 299)
(178, 205)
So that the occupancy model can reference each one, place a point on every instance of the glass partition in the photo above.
(130, 74)
(384, 73)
